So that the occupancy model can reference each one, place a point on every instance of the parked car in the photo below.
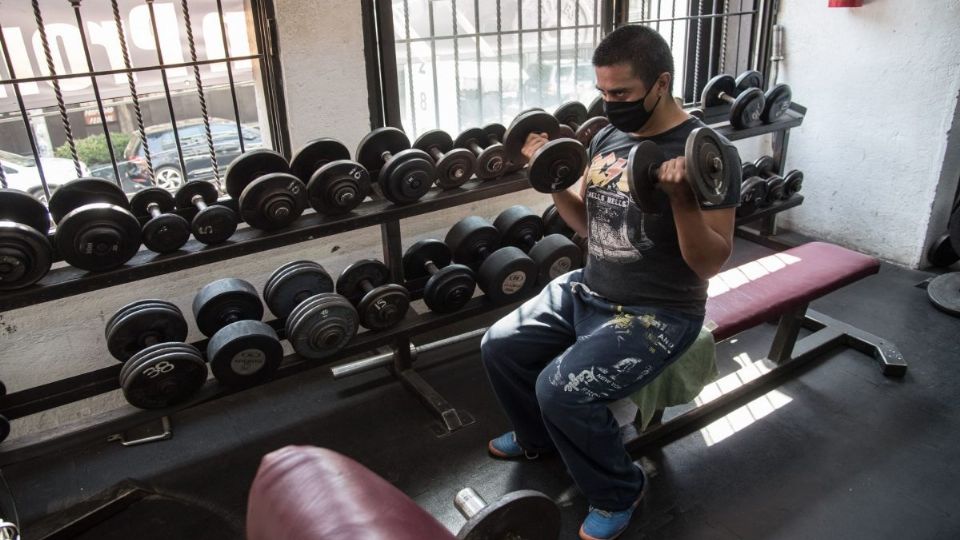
(21, 173)
(196, 153)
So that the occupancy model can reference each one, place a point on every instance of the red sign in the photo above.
(92, 117)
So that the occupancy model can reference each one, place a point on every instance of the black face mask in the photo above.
(629, 116)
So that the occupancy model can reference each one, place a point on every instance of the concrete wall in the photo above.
(881, 83)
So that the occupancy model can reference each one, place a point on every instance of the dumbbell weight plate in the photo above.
(554, 224)
(374, 144)
(316, 154)
(214, 224)
(383, 307)
(141, 201)
(765, 165)
(523, 514)
(139, 325)
(944, 292)
(725, 84)
(407, 177)
(507, 274)
(449, 289)
(293, 283)
(497, 131)
(524, 125)
(793, 183)
(753, 196)
(557, 165)
(348, 283)
(775, 189)
(468, 237)
(244, 352)
(641, 179)
(251, 165)
(322, 325)
(519, 226)
(747, 108)
(168, 346)
(184, 196)
(273, 201)
(596, 108)
(456, 166)
(163, 377)
(98, 237)
(749, 170)
(22, 208)
(223, 298)
(713, 165)
(589, 129)
(84, 191)
(418, 254)
(749, 79)
(696, 113)
(555, 255)
(25, 256)
(778, 100)
(941, 252)
(566, 132)
(490, 160)
(338, 187)
(571, 113)
(165, 233)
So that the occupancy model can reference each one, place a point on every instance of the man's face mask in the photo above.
(629, 116)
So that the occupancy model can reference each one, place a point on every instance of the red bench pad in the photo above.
(308, 493)
(761, 290)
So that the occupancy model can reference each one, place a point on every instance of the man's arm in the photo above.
(570, 203)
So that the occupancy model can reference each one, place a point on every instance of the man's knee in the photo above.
(492, 345)
(552, 395)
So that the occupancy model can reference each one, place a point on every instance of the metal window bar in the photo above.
(53, 75)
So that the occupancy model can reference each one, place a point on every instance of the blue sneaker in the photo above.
(507, 447)
(606, 525)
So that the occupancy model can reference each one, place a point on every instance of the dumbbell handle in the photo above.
(366, 286)
(573, 125)
(474, 147)
(483, 252)
(469, 502)
(528, 241)
(154, 210)
(726, 97)
(436, 153)
(198, 201)
(431, 267)
(655, 169)
(493, 139)
(386, 156)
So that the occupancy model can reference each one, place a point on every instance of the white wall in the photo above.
(881, 83)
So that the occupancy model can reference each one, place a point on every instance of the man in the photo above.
(597, 335)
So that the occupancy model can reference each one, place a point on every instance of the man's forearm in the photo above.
(704, 249)
(572, 208)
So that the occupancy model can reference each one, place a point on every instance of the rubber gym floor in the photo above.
(839, 452)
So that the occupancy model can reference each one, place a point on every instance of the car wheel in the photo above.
(38, 193)
(168, 178)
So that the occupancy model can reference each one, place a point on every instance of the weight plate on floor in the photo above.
(555, 255)
(84, 191)
(641, 178)
(407, 177)
(338, 187)
(749, 79)
(25, 255)
(510, 517)
(21, 207)
(372, 147)
(316, 154)
(273, 201)
(523, 126)
(944, 292)
(293, 283)
(507, 274)
(416, 257)
(572, 114)
(164, 377)
(557, 165)
(383, 307)
(244, 352)
(98, 237)
(350, 280)
(224, 301)
(140, 325)
(941, 252)
(724, 84)
(322, 325)
(778, 100)
(251, 165)
(471, 239)
(449, 289)
(713, 165)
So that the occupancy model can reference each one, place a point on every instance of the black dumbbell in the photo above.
(95, 229)
(335, 184)
(164, 232)
(449, 286)
(780, 188)
(743, 94)
(163, 375)
(555, 254)
(380, 304)
(596, 108)
(141, 324)
(712, 166)
(558, 164)
(269, 196)
(504, 274)
(25, 252)
(485, 145)
(242, 349)
(404, 174)
(212, 223)
(293, 283)
(526, 514)
(553, 223)
(576, 122)
(753, 195)
(321, 325)
(454, 165)
(778, 101)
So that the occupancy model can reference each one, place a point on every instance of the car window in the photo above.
(162, 141)
(8, 170)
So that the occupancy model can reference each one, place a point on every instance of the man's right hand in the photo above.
(533, 143)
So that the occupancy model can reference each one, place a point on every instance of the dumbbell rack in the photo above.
(65, 282)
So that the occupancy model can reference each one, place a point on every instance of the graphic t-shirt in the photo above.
(634, 258)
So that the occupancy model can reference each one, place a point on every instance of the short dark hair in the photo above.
(642, 47)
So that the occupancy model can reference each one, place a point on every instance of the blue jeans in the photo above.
(558, 360)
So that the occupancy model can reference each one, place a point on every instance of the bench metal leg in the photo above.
(892, 363)
(788, 329)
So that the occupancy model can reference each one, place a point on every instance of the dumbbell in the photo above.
(554, 255)
(270, 197)
(159, 369)
(242, 349)
(164, 232)
(778, 100)
(780, 188)
(449, 286)
(743, 94)
(404, 174)
(712, 166)
(335, 184)
(95, 229)
(753, 195)
(596, 108)
(380, 304)
(504, 274)
(319, 322)
(558, 164)
(485, 145)
(576, 122)
(553, 223)
(454, 165)
(526, 514)
(213, 223)
(25, 252)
